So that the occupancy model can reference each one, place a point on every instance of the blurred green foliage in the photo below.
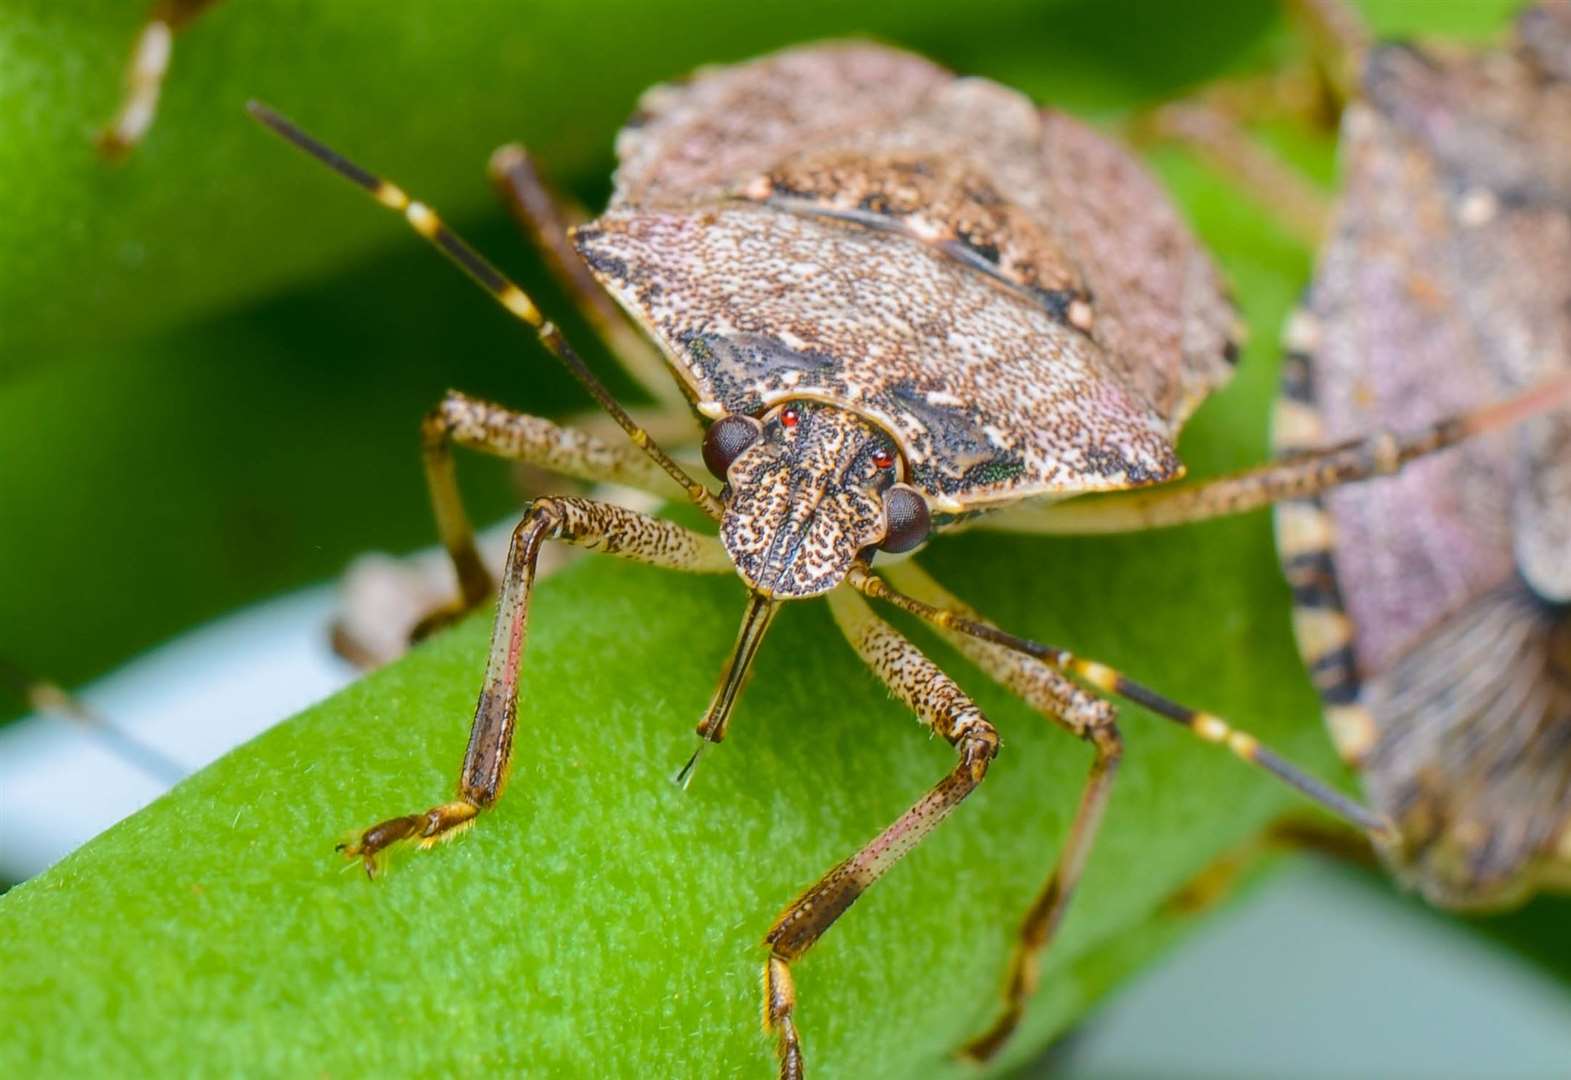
(192, 414)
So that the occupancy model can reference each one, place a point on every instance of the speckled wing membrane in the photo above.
(837, 222)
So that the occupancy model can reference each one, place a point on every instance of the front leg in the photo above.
(586, 523)
(944, 708)
(386, 602)
(501, 432)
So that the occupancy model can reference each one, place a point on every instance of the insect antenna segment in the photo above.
(1207, 726)
(425, 221)
(684, 775)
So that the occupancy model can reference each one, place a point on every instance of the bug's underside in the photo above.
(854, 224)
(1431, 604)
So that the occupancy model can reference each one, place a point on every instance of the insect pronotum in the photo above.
(900, 301)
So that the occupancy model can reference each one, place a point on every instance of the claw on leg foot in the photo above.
(432, 827)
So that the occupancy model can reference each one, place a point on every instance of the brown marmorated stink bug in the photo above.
(900, 301)
(1431, 606)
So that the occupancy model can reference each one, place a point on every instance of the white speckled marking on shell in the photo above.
(993, 395)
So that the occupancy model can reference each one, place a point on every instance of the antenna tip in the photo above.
(684, 775)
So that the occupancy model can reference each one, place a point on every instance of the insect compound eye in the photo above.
(906, 519)
(725, 440)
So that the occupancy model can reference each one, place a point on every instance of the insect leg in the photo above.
(1207, 726)
(386, 601)
(1081, 714)
(598, 526)
(548, 218)
(145, 77)
(935, 698)
(1212, 123)
(1214, 133)
(1298, 476)
(493, 429)
(1339, 39)
(1290, 833)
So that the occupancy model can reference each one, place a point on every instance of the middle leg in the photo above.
(1081, 714)
(944, 707)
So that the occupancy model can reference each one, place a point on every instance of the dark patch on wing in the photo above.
(1056, 303)
(980, 248)
(585, 239)
(1107, 462)
(740, 366)
(956, 432)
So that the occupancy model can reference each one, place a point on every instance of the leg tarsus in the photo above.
(779, 1019)
(1047, 911)
(435, 825)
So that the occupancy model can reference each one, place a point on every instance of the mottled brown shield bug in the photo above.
(900, 301)
(1431, 606)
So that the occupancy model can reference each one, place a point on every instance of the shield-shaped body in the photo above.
(1431, 605)
(1005, 292)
